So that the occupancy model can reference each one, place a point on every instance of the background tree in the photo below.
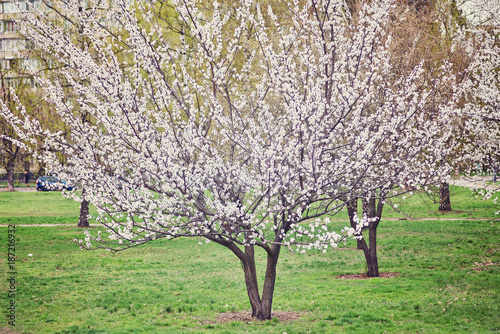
(481, 94)
(16, 81)
(69, 19)
(416, 42)
(10, 151)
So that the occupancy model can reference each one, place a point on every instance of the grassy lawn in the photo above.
(38, 208)
(464, 202)
(448, 279)
(19, 183)
(51, 208)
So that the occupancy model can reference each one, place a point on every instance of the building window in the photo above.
(34, 3)
(11, 7)
(10, 26)
(5, 64)
(11, 82)
(14, 44)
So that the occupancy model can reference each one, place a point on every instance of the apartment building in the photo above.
(12, 44)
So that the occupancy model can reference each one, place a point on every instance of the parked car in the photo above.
(47, 183)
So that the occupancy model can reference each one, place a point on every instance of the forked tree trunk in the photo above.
(372, 210)
(261, 307)
(444, 197)
(83, 221)
(352, 208)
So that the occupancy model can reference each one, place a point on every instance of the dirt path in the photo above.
(477, 182)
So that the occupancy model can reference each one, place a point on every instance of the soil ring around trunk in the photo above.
(6, 330)
(246, 316)
(364, 276)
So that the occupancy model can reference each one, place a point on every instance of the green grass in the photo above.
(51, 208)
(464, 203)
(419, 204)
(18, 184)
(448, 282)
(38, 208)
(448, 279)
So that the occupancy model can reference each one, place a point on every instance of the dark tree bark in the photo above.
(370, 252)
(372, 209)
(444, 197)
(83, 221)
(495, 169)
(11, 152)
(9, 148)
(352, 208)
(261, 306)
(41, 169)
(10, 174)
(269, 281)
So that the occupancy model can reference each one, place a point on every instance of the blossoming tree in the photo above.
(481, 93)
(411, 48)
(247, 129)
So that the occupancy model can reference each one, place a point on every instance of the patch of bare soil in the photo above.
(484, 266)
(247, 316)
(7, 330)
(446, 211)
(364, 276)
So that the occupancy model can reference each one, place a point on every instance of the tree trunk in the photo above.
(372, 210)
(444, 197)
(495, 169)
(83, 221)
(269, 281)
(10, 175)
(251, 281)
(41, 169)
(352, 208)
(261, 308)
(370, 252)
